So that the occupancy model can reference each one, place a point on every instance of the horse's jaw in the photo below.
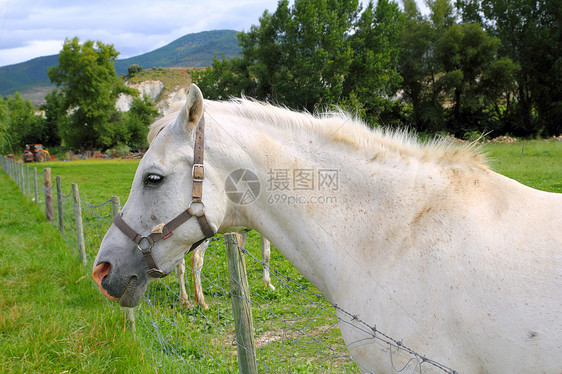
(132, 294)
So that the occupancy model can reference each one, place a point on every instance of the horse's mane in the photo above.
(342, 127)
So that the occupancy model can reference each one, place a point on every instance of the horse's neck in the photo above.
(320, 204)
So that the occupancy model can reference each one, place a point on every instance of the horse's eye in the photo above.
(153, 179)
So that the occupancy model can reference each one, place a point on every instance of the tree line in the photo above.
(472, 66)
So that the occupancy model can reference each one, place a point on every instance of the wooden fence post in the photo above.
(240, 297)
(59, 206)
(36, 186)
(127, 312)
(48, 195)
(78, 220)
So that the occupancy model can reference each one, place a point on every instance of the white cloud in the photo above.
(34, 48)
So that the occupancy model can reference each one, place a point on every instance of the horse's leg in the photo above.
(196, 264)
(180, 271)
(265, 254)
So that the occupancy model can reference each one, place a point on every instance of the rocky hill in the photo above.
(164, 86)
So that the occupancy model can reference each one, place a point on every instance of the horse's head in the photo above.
(174, 202)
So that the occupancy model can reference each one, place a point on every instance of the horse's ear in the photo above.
(193, 109)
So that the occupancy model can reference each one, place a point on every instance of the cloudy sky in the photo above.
(34, 28)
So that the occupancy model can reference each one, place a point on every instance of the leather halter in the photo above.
(163, 232)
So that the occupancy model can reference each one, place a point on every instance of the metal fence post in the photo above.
(35, 185)
(115, 205)
(22, 171)
(48, 195)
(240, 298)
(78, 220)
(22, 183)
(127, 312)
(28, 185)
(16, 174)
(20, 177)
(59, 205)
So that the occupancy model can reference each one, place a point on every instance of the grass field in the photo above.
(52, 317)
(540, 167)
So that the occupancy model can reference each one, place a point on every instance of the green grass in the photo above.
(52, 317)
(97, 180)
(540, 167)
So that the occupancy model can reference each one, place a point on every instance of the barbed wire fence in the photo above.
(295, 329)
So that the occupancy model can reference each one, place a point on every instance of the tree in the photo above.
(133, 70)
(373, 75)
(86, 79)
(419, 68)
(55, 115)
(471, 70)
(5, 134)
(23, 123)
(313, 54)
(316, 51)
(298, 55)
(530, 34)
(141, 114)
(225, 79)
(453, 74)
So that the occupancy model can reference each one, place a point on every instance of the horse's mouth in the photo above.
(130, 297)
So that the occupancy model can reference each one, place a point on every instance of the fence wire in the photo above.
(293, 333)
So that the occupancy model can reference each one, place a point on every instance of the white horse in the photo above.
(197, 259)
(421, 241)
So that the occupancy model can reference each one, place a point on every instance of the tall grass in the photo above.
(52, 319)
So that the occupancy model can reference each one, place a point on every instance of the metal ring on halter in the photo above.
(150, 242)
(197, 202)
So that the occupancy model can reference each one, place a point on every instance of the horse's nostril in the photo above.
(100, 271)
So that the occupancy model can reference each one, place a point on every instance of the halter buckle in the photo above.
(198, 172)
(150, 243)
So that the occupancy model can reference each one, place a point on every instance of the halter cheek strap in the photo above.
(145, 243)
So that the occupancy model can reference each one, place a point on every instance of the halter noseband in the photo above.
(163, 232)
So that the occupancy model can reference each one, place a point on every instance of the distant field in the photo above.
(97, 180)
(540, 167)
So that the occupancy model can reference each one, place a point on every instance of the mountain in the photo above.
(189, 51)
(28, 78)
(192, 50)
